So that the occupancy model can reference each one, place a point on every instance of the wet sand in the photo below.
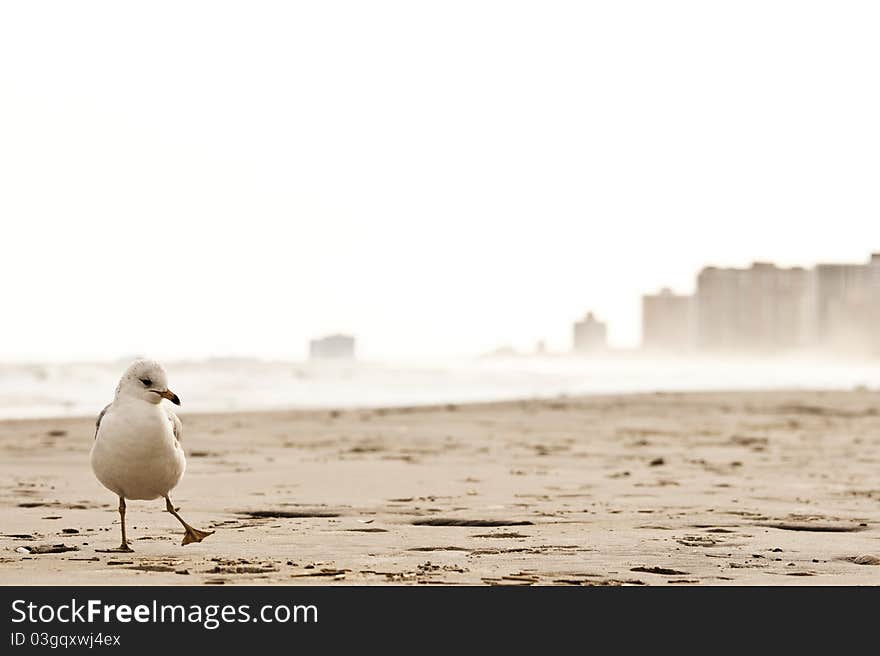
(776, 488)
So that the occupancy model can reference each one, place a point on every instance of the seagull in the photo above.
(137, 452)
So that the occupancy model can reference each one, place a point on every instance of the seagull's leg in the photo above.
(192, 534)
(123, 548)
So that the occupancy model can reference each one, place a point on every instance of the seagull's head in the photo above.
(146, 380)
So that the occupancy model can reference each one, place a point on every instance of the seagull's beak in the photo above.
(171, 396)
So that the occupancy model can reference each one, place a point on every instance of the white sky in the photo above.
(213, 178)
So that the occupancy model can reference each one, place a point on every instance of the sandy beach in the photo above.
(775, 488)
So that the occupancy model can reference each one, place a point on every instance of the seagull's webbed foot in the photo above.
(194, 535)
(190, 534)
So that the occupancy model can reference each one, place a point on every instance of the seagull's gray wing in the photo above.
(100, 417)
(176, 426)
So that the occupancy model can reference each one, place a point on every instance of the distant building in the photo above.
(589, 335)
(668, 322)
(848, 306)
(768, 309)
(760, 309)
(502, 352)
(332, 347)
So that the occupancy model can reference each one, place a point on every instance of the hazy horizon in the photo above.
(213, 179)
(82, 389)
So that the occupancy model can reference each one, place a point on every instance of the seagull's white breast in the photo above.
(135, 453)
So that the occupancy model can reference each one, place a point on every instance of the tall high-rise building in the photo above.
(848, 306)
(768, 309)
(761, 309)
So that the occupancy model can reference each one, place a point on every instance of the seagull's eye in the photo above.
(146, 381)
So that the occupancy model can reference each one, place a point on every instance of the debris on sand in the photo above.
(500, 535)
(864, 559)
(46, 548)
(665, 571)
(438, 549)
(152, 568)
(242, 569)
(326, 571)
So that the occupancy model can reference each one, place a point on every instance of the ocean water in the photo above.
(82, 389)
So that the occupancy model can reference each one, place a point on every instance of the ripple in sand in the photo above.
(445, 521)
(286, 514)
(817, 527)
